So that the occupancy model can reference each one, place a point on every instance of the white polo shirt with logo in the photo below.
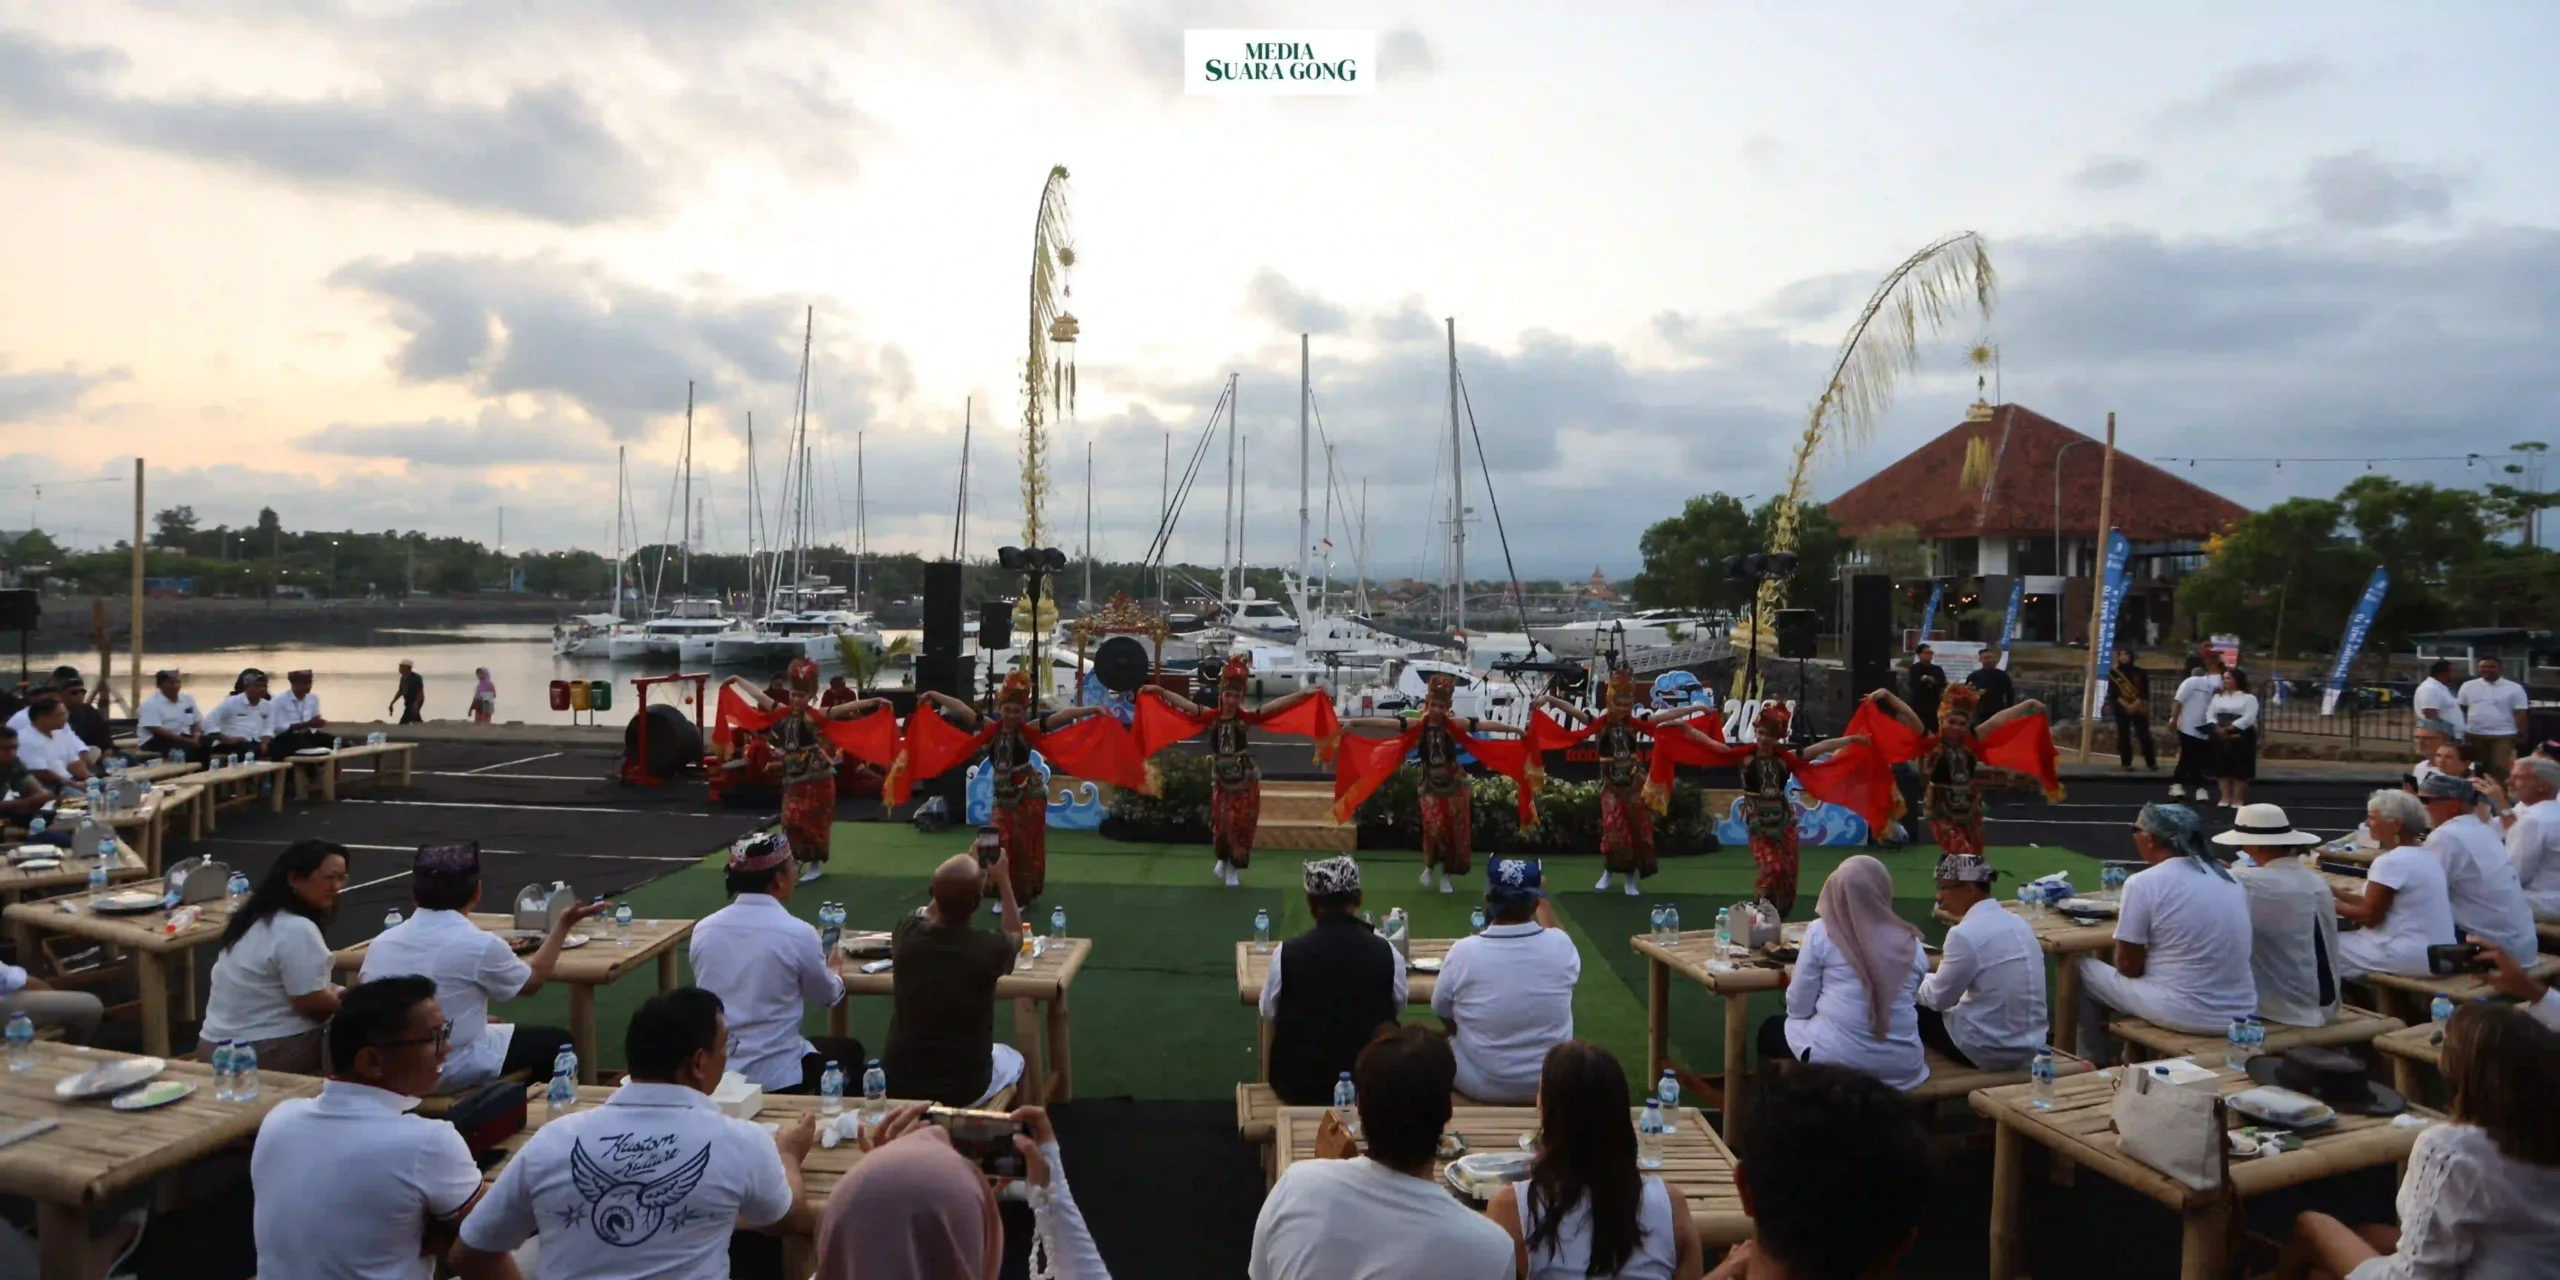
(290, 709)
(176, 715)
(347, 1182)
(471, 967)
(1509, 990)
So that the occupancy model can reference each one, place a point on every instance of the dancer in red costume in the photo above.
(1100, 750)
(1960, 760)
(1448, 816)
(1626, 819)
(1235, 801)
(1770, 817)
(810, 744)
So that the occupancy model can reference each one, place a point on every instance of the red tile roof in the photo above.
(1925, 489)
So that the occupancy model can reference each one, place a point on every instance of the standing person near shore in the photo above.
(2493, 716)
(484, 697)
(412, 695)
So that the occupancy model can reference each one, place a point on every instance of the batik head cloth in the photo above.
(760, 851)
(1957, 868)
(1330, 876)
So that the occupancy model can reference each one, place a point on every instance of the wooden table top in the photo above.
(239, 772)
(2463, 988)
(369, 749)
(1693, 956)
(2421, 1043)
(1253, 969)
(99, 1152)
(824, 1168)
(602, 961)
(1694, 1159)
(162, 771)
(74, 872)
(2059, 934)
(2081, 1124)
(1042, 978)
(141, 931)
(164, 797)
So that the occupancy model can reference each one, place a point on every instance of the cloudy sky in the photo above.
(389, 264)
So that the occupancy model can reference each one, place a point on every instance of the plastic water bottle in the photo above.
(2041, 1071)
(1724, 928)
(391, 920)
(622, 924)
(1475, 920)
(830, 926)
(236, 889)
(1649, 1133)
(1671, 920)
(2257, 1035)
(22, 1042)
(831, 1090)
(244, 1072)
(224, 1074)
(875, 1088)
(1346, 1103)
(2440, 1009)
(98, 872)
(2235, 1054)
(1261, 929)
(1668, 1092)
(1057, 923)
(563, 1093)
(35, 826)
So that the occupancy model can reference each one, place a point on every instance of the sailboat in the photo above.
(684, 627)
(804, 616)
(591, 635)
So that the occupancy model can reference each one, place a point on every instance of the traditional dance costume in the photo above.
(1958, 763)
(1626, 821)
(1235, 796)
(1362, 764)
(1769, 818)
(1095, 747)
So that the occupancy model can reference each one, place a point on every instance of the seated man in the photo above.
(168, 719)
(2478, 877)
(88, 720)
(472, 967)
(1838, 1179)
(1984, 1006)
(2293, 918)
(46, 745)
(1338, 983)
(767, 966)
(1383, 1215)
(2533, 837)
(245, 721)
(22, 793)
(2182, 938)
(653, 1182)
(296, 716)
(942, 1016)
(1507, 994)
(76, 1012)
(349, 1183)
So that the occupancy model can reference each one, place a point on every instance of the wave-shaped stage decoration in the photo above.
(1122, 707)
(1816, 823)
(1078, 806)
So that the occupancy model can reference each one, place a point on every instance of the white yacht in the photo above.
(1256, 616)
(1404, 683)
(588, 635)
(689, 630)
(782, 636)
(1646, 629)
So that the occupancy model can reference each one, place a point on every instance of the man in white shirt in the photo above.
(2533, 834)
(47, 746)
(76, 1012)
(295, 715)
(652, 1182)
(1984, 1006)
(2195, 730)
(245, 720)
(1381, 1216)
(472, 967)
(767, 965)
(2493, 713)
(168, 719)
(2439, 709)
(1507, 993)
(349, 1183)
(2479, 879)
(2293, 919)
(2182, 939)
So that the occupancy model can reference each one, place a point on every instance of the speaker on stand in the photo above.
(20, 610)
(940, 668)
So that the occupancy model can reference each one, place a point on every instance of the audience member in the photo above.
(2493, 715)
(916, 1208)
(2405, 907)
(471, 967)
(75, 1012)
(2234, 711)
(1506, 994)
(84, 716)
(1384, 1215)
(1984, 1005)
(2533, 836)
(1837, 1175)
(1586, 1210)
(1329, 989)
(652, 1182)
(1853, 999)
(296, 716)
(271, 984)
(22, 793)
(767, 965)
(2478, 877)
(2193, 699)
(2445, 759)
(2182, 938)
(244, 721)
(2439, 709)
(47, 746)
(2293, 918)
(168, 719)
(942, 1045)
(349, 1183)
(2481, 1197)
(2509, 979)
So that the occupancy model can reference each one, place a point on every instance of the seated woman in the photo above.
(1852, 999)
(2406, 905)
(1586, 1209)
(2182, 938)
(915, 1206)
(271, 987)
(2482, 1195)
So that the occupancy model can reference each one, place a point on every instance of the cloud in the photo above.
(1764, 154)
(2241, 87)
(2359, 190)
(2112, 173)
(541, 152)
(1404, 52)
(26, 397)
(1271, 296)
(497, 437)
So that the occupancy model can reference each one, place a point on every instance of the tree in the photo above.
(173, 527)
(1684, 556)
(270, 529)
(2518, 508)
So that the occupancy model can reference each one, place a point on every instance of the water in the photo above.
(244, 1073)
(831, 1090)
(830, 927)
(1057, 924)
(875, 1088)
(1261, 929)
(1671, 920)
(1668, 1093)
(225, 1078)
(391, 920)
(1649, 1133)
(98, 869)
(2041, 1071)
(563, 1091)
(1724, 929)
(622, 924)
(236, 888)
(2440, 1010)
(22, 1042)
(2257, 1035)
(2235, 1053)
(1475, 920)
(1346, 1103)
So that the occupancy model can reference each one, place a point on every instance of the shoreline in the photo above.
(185, 623)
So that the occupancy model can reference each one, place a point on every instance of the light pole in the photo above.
(333, 568)
(2058, 569)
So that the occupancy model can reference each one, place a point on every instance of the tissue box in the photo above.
(738, 1097)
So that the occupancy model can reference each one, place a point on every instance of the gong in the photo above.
(1121, 664)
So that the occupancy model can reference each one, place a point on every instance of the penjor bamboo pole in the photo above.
(2098, 598)
(134, 647)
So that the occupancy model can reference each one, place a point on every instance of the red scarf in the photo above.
(872, 738)
(1161, 724)
(1856, 777)
(2023, 745)
(1096, 748)
(1362, 764)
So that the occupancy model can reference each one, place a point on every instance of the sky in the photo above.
(413, 265)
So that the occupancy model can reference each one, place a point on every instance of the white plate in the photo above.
(109, 1078)
(131, 902)
(158, 1093)
(313, 751)
(570, 943)
(38, 864)
(1427, 964)
(2086, 907)
(1479, 1176)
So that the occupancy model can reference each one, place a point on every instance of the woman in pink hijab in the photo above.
(916, 1209)
(484, 697)
(1851, 999)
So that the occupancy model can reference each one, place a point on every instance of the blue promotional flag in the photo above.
(2111, 585)
(1929, 615)
(2009, 628)
(2358, 623)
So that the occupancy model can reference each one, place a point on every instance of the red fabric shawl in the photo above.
(871, 739)
(1161, 724)
(1362, 764)
(1856, 777)
(2023, 745)
(1096, 748)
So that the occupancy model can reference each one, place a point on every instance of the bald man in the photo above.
(942, 1018)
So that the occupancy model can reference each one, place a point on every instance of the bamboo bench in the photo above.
(2352, 1026)
(1951, 1079)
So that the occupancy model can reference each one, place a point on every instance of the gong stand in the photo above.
(1120, 616)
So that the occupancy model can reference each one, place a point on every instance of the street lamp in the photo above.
(333, 568)
(1033, 563)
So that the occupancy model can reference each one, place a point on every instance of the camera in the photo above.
(2452, 959)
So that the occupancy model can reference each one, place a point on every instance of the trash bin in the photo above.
(559, 695)
(600, 695)
(578, 695)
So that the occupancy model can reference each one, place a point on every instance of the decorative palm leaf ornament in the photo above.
(1048, 376)
(1930, 288)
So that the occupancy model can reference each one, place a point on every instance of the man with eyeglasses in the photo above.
(349, 1183)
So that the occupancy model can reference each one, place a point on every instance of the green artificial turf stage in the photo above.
(1155, 1010)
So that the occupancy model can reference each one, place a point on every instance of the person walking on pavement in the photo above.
(412, 695)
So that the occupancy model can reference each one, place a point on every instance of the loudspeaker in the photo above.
(946, 673)
(20, 607)
(995, 625)
(1795, 633)
(941, 621)
(1870, 633)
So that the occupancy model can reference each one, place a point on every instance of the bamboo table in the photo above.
(145, 825)
(1253, 969)
(156, 951)
(1048, 1059)
(18, 883)
(2081, 1126)
(162, 771)
(2412, 1051)
(325, 770)
(1694, 1159)
(2065, 940)
(236, 784)
(602, 962)
(98, 1155)
(1693, 957)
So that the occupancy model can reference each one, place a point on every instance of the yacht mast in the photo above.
(960, 508)
(1306, 390)
(685, 586)
(754, 508)
(1164, 505)
(1457, 485)
(621, 492)
(861, 522)
(1088, 527)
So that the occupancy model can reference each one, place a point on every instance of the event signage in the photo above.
(2009, 626)
(2111, 587)
(1929, 615)
(2358, 623)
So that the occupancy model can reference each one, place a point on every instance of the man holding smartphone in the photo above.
(942, 1045)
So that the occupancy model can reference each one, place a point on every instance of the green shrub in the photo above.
(1183, 786)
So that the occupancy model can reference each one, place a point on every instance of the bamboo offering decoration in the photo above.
(1046, 377)
(1927, 291)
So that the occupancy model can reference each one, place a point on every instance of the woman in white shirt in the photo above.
(271, 987)
(2406, 906)
(2233, 713)
(1852, 996)
(1586, 1210)
(2481, 1198)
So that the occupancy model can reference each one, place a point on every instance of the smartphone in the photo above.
(989, 847)
(875, 966)
(2449, 959)
(986, 1137)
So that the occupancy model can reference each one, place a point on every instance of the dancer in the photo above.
(808, 743)
(1098, 749)
(1860, 782)
(1235, 802)
(1960, 760)
(1626, 819)
(1448, 820)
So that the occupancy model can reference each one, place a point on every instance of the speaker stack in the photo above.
(938, 666)
(1870, 633)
